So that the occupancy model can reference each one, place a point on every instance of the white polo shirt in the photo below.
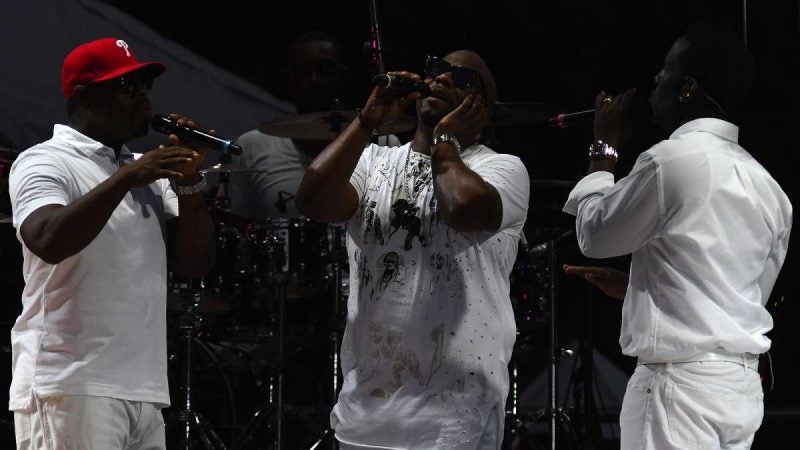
(95, 323)
(708, 228)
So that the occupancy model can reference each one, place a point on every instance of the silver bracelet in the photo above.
(600, 150)
(192, 189)
(447, 137)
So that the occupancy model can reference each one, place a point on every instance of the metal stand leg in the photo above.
(192, 421)
(338, 315)
(273, 412)
(281, 365)
(561, 431)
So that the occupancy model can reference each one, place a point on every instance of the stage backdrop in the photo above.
(36, 36)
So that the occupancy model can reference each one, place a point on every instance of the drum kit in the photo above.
(272, 310)
(268, 311)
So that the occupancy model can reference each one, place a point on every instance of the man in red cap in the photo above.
(98, 224)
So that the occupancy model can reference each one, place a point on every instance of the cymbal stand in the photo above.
(281, 293)
(192, 421)
(516, 420)
(557, 416)
(274, 409)
(335, 335)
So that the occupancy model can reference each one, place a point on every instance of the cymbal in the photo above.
(523, 113)
(326, 125)
(227, 168)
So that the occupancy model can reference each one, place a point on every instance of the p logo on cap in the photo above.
(102, 60)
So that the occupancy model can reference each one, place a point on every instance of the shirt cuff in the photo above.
(594, 183)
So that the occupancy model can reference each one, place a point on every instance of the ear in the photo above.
(689, 90)
(80, 94)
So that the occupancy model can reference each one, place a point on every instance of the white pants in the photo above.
(706, 405)
(491, 438)
(78, 422)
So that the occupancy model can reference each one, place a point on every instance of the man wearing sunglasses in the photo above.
(708, 229)
(425, 353)
(98, 225)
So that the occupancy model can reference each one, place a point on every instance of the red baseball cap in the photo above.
(101, 60)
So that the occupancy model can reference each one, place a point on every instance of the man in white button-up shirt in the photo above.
(708, 230)
(98, 225)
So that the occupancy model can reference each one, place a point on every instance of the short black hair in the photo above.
(720, 64)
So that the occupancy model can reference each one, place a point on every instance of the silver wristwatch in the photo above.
(192, 189)
(447, 137)
(601, 150)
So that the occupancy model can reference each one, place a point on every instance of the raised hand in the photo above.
(466, 121)
(611, 281)
(612, 118)
(156, 164)
(383, 106)
(188, 168)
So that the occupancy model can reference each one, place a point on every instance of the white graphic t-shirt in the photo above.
(430, 327)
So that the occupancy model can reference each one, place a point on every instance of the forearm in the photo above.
(605, 165)
(323, 192)
(55, 232)
(194, 248)
(466, 202)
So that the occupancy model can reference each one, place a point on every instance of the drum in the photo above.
(220, 290)
(296, 253)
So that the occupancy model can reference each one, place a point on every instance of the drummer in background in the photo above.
(315, 77)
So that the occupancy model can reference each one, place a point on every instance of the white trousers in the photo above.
(78, 422)
(491, 438)
(704, 405)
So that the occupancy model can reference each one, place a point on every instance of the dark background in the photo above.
(558, 55)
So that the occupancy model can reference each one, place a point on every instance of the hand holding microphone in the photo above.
(391, 101)
(401, 86)
(168, 125)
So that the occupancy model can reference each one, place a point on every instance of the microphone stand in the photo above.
(374, 46)
(558, 415)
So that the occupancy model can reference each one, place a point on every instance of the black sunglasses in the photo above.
(132, 82)
(463, 77)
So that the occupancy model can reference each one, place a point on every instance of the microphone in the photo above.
(164, 124)
(566, 120)
(400, 86)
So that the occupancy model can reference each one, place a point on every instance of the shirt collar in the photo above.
(719, 127)
(86, 145)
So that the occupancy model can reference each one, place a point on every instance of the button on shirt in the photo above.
(708, 229)
(95, 323)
